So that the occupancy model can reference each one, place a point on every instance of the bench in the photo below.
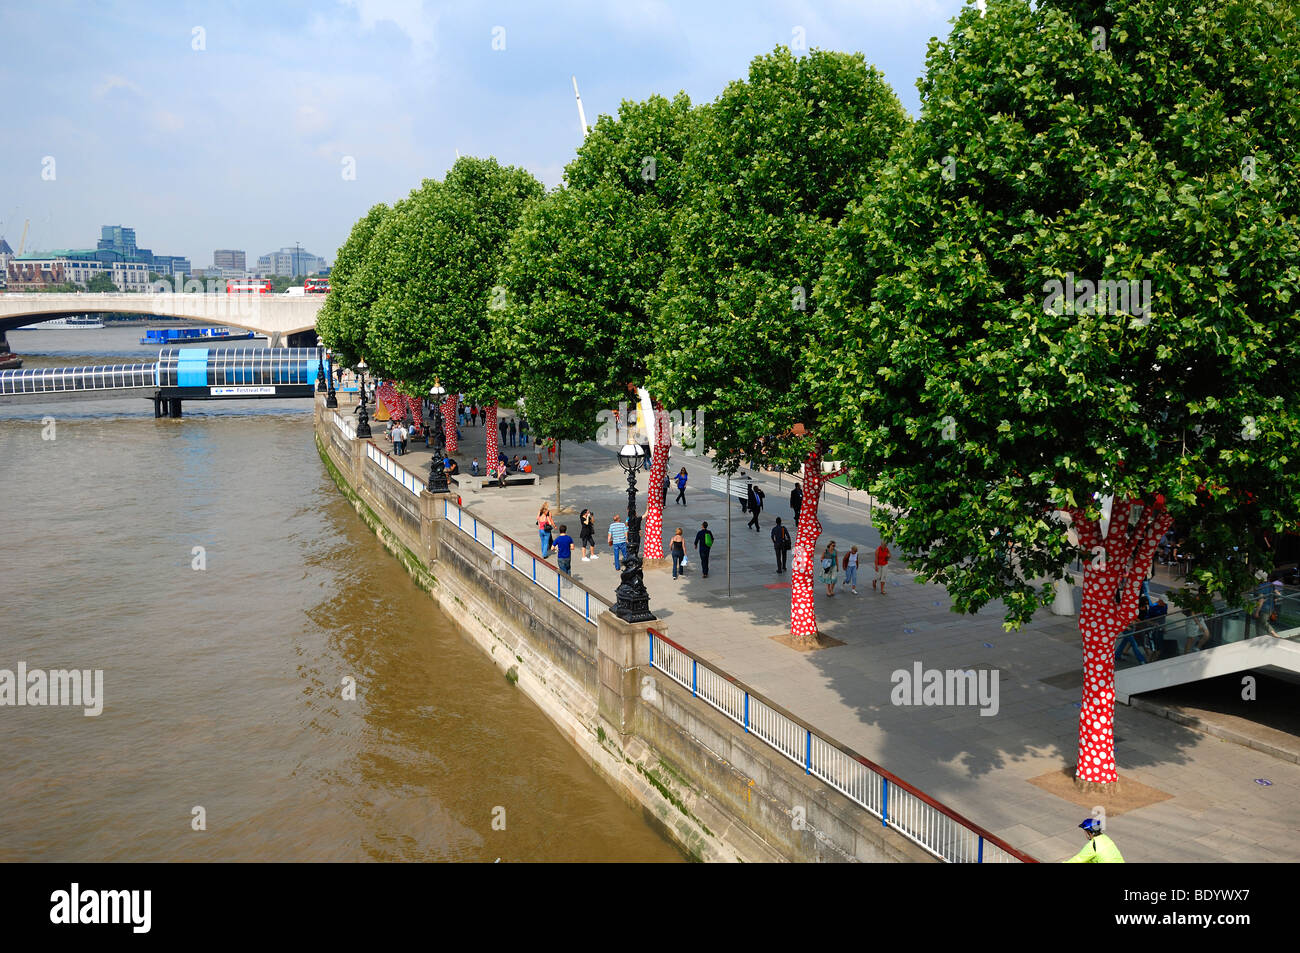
(468, 482)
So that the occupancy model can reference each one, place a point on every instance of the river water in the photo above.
(209, 567)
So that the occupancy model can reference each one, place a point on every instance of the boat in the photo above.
(156, 336)
(76, 322)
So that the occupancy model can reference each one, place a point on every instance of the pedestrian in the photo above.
(512, 432)
(523, 431)
(703, 543)
(473, 467)
(851, 569)
(663, 492)
(796, 501)
(882, 566)
(501, 426)
(755, 506)
(473, 415)
(564, 550)
(1100, 849)
(618, 540)
(830, 568)
(482, 416)
(587, 533)
(781, 543)
(645, 456)
(399, 438)
(678, 548)
(544, 522)
(550, 451)
(681, 486)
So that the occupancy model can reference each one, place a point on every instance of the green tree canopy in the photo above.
(344, 319)
(1127, 141)
(774, 164)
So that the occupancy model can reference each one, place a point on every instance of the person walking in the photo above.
(587, 533)
(681, 487)
(501, 426)
(851, 569)
(663, 492)
(796, 501)
(618, 541)
(703, 543)
(882, 566)
(473, 415)
(755, 506)
(564, 550)
(544, 522)
(550, 451)
(781, 543)
(512, 432)
(523, 432)
(678, 548)
(830, 568)
(1100, 849)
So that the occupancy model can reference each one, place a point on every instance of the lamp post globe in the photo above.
(437, 467)
(363, 418)
(633, 602)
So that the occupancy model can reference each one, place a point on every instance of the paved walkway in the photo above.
(979, 765)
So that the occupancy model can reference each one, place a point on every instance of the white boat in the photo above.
(77, 322)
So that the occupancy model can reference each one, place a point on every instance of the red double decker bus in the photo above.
(246, 286)
(316, 286)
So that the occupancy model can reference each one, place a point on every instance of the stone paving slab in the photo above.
(978, 765)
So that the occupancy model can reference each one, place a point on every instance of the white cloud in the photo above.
(113, 82)
(409, 16)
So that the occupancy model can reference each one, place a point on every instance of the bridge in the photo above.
(285, 320)
(191, 373)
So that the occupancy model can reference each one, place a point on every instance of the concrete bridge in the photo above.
(286, 320)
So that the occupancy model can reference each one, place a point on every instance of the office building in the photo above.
(229, 259)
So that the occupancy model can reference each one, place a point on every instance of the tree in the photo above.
(439, 253)
(101, 283)
(344, 318)
(1139, 157)
(580, 272)
(775, 163)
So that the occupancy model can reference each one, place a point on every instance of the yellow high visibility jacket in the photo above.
(1099, 850)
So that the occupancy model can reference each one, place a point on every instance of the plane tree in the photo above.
(775, 161)
(1073, 285)
(344, 318)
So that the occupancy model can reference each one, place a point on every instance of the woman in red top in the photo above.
(882, 566)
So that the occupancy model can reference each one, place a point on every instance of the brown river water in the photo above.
(223, 685)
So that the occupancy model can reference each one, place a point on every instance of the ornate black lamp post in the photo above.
(320, 366)
(331, 398)
(633, 601)
(363, 419)
(437, 470)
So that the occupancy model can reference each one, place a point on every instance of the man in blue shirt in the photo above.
(564, 550)
(618, 540)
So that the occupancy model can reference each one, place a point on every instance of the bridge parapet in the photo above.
(276, 316)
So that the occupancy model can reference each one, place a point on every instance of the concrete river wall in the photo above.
(702, 778)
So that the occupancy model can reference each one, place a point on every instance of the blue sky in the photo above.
(206, 125)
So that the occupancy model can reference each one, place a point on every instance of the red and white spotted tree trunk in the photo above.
(653, 536)
(449, 422)
(1122, 559)
(803, 610)
(492, 440)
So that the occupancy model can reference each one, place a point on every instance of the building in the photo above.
(229, 259)
(174, 265)
(289, 262)
(117, 243)
(39, 270)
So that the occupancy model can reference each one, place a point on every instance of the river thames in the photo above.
(210, 568)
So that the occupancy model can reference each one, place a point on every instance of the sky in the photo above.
(254, 126)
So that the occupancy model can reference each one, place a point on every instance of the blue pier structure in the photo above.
(180, 374)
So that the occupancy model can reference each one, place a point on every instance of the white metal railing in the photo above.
(513, 554)
(400, 474)
(918, 817)
(349, 429)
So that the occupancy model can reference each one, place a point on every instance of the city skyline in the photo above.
(357, 101)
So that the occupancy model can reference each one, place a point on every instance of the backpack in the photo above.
(828, 564)
(708, 539)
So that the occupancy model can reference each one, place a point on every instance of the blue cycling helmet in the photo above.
(1091, 825)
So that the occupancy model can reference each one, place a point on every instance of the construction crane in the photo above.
(582, 116)
(22, 244)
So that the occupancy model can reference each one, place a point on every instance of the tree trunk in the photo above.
(493, 451)
(449, 422)
(1115, 567)
(803, 611)
(653, 537)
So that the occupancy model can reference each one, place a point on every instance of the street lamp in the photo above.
(363, 419)
(633, 601)
(320, 365)
(331, 398)
(437, 470)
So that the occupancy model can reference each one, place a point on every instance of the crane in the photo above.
(582, 117)
(22, 244)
